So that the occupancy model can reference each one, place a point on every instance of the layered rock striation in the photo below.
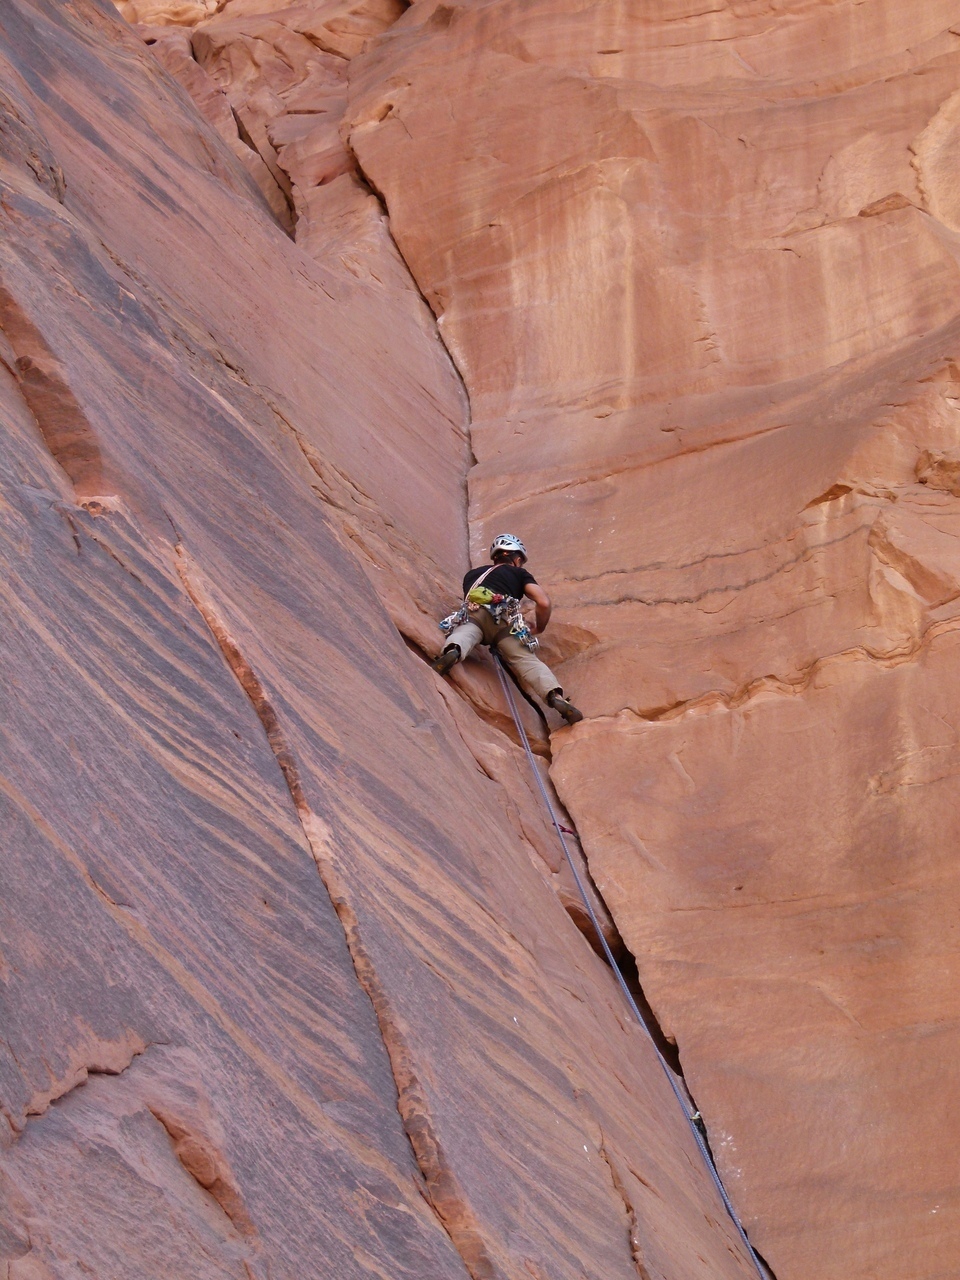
(300, 304)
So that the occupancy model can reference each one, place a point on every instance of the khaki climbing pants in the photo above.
(534, 676)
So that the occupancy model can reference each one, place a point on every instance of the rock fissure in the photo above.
(441, 1186)
(724, 588)
(105, 1058)
(633, 1234)
(680, 566)
(716, 699)
(63, 424)
(500, 723)
(370, 186)
(666, 1048)
(596, 475)
(208, 1166)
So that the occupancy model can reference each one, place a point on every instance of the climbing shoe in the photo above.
(559, 703)
(446, 661)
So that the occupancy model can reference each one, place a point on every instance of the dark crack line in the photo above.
(717, 700)
(727, 588)
(131, 1051)
(633, 1230)
(439, 1187)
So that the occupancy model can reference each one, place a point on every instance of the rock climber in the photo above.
(490, 614)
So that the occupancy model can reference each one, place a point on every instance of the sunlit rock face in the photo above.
(290, 989)
(698, 266)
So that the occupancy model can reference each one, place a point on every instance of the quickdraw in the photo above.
(506, 610)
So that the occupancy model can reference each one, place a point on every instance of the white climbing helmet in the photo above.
(507, 542)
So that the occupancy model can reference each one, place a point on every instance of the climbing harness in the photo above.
(693, 1117)
(503, 609)
(462, 615)
(506, 610)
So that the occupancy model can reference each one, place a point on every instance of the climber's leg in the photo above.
(534, 676)
(459, 643)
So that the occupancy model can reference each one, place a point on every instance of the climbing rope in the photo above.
(692, 1118)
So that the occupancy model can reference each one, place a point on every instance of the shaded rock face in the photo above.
(289, 989)
(698, 266)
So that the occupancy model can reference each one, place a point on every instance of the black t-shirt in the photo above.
(506, 580)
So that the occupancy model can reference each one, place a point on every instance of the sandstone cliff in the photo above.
(288, 988)
(299, 304)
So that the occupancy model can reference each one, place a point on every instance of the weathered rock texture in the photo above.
(287, 988)
(699, 266)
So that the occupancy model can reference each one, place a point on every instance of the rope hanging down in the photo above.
(692, 1119)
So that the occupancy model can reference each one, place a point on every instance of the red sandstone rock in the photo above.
(286, 993)
(698, 266)
(173, 49)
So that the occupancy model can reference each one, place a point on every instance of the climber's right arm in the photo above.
(542, 601)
